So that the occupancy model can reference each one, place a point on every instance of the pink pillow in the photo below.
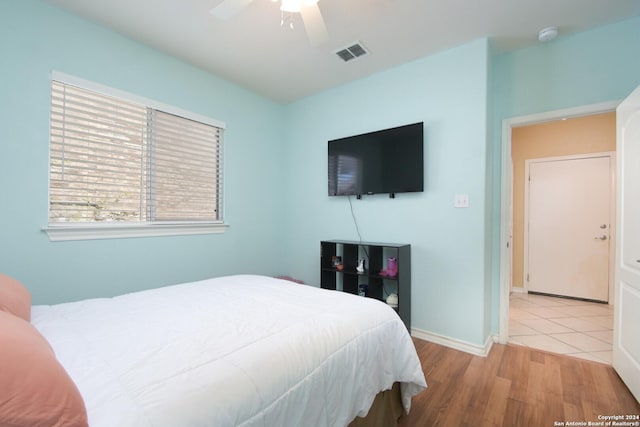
(35, 390)
(14, 297)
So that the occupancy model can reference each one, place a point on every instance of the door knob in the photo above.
(603, 237)
(603, 226)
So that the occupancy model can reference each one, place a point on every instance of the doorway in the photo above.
(512, 214)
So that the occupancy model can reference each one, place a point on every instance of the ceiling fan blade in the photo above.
(228, 8)
(314, 24)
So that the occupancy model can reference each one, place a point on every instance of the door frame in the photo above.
(612, 213)
(506, 184)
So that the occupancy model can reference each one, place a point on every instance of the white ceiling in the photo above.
(252, 50)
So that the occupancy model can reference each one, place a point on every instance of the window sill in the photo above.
(66, 232)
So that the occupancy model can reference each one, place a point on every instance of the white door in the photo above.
(626, 314)
(569, 204)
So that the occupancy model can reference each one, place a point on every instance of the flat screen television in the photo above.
(386, 161)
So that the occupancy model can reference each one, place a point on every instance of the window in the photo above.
(119, 167)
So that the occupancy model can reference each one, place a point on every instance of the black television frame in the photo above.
(386, 161)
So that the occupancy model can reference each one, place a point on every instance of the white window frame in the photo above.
(116, 230)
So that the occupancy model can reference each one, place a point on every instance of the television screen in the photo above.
(386, 161)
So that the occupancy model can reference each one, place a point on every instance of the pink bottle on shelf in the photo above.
(392, 267)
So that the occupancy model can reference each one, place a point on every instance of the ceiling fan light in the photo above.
(291, 6)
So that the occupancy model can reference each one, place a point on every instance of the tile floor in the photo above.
(560, 325)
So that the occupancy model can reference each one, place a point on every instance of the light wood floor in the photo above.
(514, 386)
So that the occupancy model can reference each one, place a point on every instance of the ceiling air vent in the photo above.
(354, 51)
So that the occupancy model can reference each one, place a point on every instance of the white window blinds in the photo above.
(113, 160)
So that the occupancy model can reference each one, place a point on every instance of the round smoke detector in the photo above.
(548, 34)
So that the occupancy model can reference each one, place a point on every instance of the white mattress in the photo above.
(232, 351)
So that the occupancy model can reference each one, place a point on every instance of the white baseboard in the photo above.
(518, 290)
(456, 344)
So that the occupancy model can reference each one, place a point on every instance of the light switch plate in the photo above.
(461, 201)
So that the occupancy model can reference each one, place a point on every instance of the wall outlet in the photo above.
(461, 201)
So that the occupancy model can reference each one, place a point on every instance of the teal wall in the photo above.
(581, 69)
(35, 39)
(448, 92)
(275, 161)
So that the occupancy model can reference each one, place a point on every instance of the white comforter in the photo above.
(232, 351)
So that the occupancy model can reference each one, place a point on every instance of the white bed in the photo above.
(234, 351)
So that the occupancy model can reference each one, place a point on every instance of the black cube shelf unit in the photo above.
(375, 255)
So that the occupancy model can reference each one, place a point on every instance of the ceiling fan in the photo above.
(308, 9)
